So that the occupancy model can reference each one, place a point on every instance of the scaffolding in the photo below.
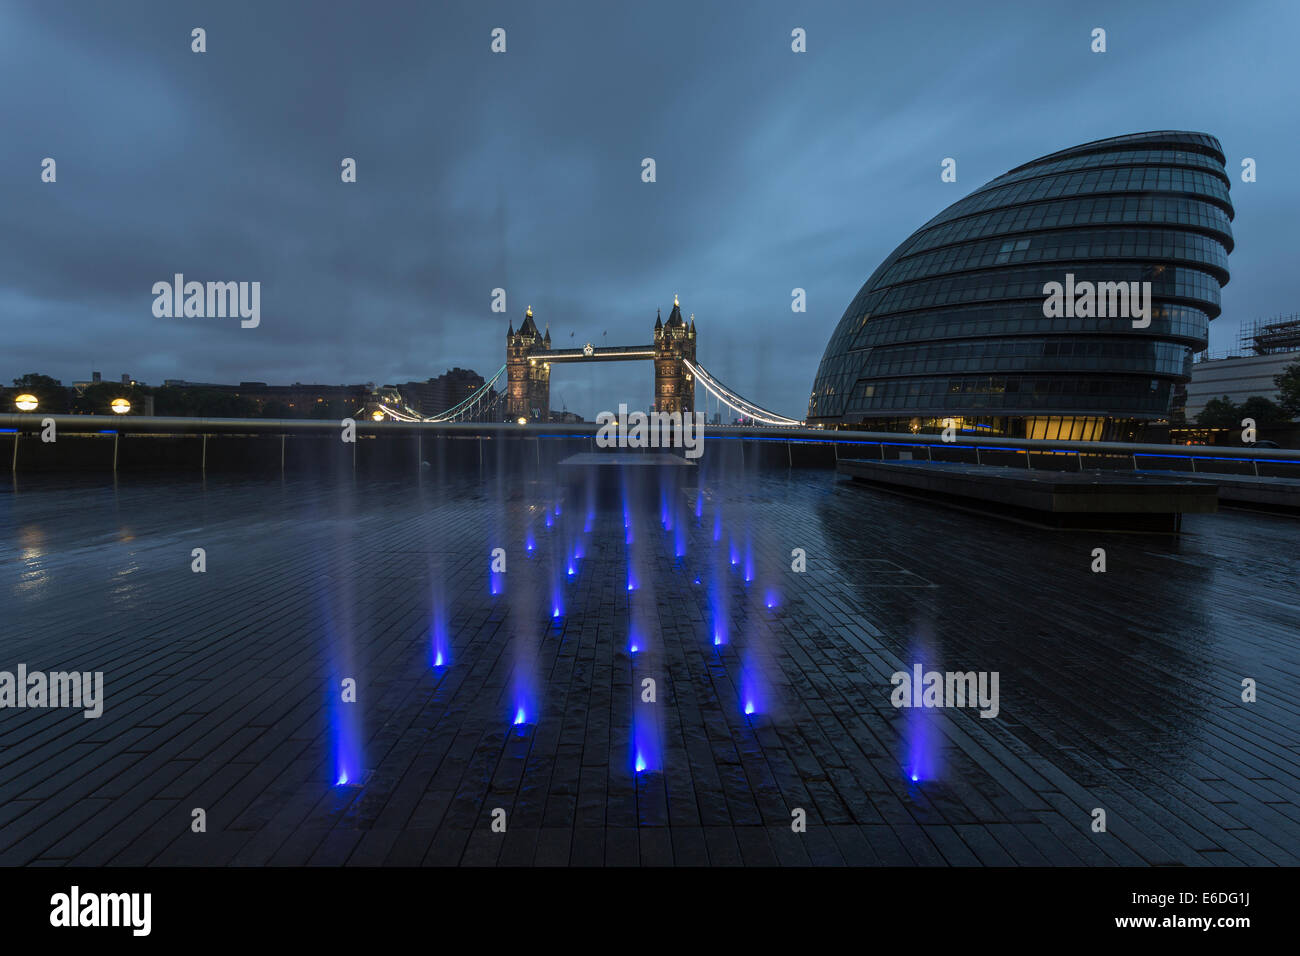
(1266, 337)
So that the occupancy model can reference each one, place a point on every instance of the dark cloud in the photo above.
(775, 171)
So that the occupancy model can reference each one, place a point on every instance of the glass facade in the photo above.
(953, 320)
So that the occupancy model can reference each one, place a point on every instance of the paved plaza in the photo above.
(224, 690)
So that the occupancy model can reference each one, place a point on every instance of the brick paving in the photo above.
(1118, 690)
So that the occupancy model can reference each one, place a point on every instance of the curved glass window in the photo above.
(1065, 353)
(1167, 282)
(1130, 157)
(1070, 245)
(1180, 322)
(1012, 393)
(1090, 211)
(1124, 180)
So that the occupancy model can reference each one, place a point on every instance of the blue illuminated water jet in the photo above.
(753, 695)
(522, 706)
(557, 601)
(347, 749)
(645, 739)
(922, 750)
(439, 650)
(346, 731)
(718, 608)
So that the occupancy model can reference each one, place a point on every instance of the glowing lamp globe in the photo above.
(120, 406)
(26, 402)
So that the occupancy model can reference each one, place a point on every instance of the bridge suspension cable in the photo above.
(735, 401)
(483, 391)
(479, 401)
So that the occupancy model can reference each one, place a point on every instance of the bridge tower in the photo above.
(528, 373)
(674, 342)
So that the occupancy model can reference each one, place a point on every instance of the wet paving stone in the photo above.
(223, 690)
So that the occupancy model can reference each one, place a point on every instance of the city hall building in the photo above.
(973, 320)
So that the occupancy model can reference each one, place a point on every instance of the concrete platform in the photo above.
(1258, 491)
(1092, 499)
(630, 459)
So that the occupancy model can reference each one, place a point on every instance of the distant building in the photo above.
(1239, 377)
(436, 395)
(141, 401)
(300, 399)
(1264, 350)
(97, 378)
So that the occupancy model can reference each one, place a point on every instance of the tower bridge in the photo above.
(526, 396)
(529, 357)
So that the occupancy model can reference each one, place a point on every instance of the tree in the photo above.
(1220, 413)
(1288, 386)
(36, 380)
(97, 399)
(1265, 411)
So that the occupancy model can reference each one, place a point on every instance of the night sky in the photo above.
(522, 170)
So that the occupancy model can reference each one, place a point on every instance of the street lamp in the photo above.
(377, 415)
(26, 402)
(120, 406)
(523, 421)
